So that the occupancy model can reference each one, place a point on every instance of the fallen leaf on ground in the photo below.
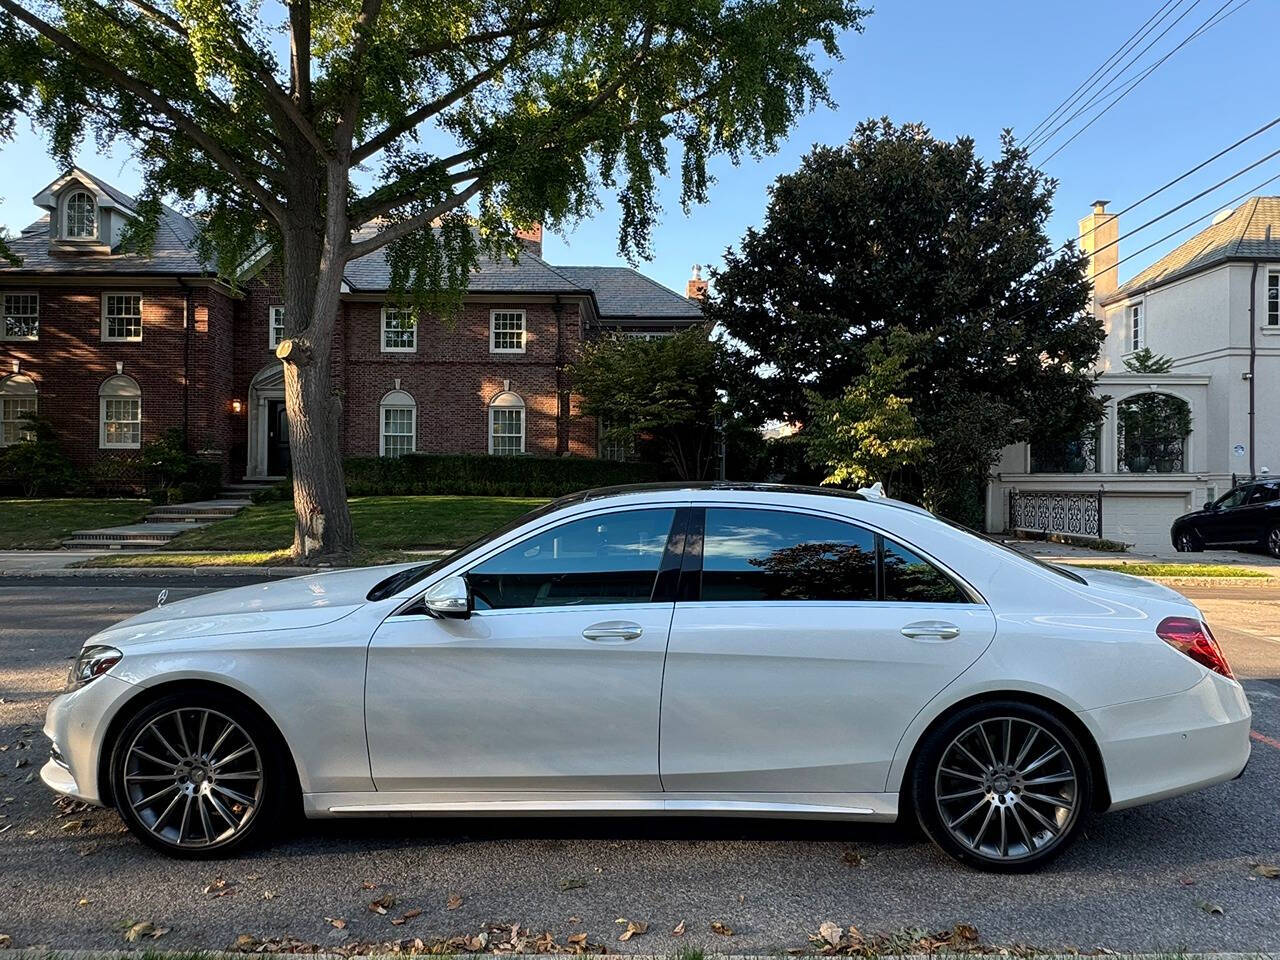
(383, 903)
(721, 928)
(1208, 906)
(1268, 870)
(268, 894)
(832, 933)
(72, 825)
(679, 930)
(367, 885)
(454, 902)
(82, 902)
(577, 938)
(140, 929)
(336, 922)
(5, 941)
(572, 883)
(634, 929)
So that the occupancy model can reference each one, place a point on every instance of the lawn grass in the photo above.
(381, 524)
(1177, 569)
(44, 524)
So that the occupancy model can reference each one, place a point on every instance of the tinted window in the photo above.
(609, 558)
(772, 555)
(911, 578)
(1234, 498)
(1264, 493)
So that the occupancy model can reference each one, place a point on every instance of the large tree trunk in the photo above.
(312, 280)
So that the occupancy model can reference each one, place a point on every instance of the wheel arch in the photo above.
(1070, 719)
(150, 694)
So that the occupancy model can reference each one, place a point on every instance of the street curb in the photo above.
(210, 571)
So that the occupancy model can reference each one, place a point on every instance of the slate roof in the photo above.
(622, 292)
(1252, 232)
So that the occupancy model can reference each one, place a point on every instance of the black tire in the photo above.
(1187, 541)
(1010, 795)
(151, 743)
(1272, 542)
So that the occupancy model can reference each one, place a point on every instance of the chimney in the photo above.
(1098, 233)
(531, 239)
(696, 288)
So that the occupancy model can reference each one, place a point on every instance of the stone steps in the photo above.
(200, 511)
(166, 521)
(129, 536)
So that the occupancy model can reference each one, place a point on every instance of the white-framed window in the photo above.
(81, 220)
(275, 325)
(18, 398)
(506, 331)
(647, 334)
(120, 414)
(399, 330)
(613, 448)
(1137, 334)
(506, 424)
(1273, 298)
(122, 316)
(398, 429)
(21, 316)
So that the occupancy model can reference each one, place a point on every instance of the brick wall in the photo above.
(70, 361)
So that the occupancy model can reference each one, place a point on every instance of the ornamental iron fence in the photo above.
(1078, 514)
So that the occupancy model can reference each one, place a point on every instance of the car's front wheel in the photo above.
(198, 774)
(1187, 542)
(1273, 542)
(1002, 786)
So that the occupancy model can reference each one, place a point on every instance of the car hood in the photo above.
(297, 603)
(1125, 584)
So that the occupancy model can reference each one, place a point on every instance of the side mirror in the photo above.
(450, 597)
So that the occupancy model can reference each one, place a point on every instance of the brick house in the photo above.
(115, 349)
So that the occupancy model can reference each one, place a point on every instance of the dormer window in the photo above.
(81, 216)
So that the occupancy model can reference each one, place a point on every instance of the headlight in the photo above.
(92, 662)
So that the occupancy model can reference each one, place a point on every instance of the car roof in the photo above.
(730, 486)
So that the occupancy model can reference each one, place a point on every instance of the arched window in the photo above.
(399, 424)
(82, 215)
(1151, 433)
(120, 414)
(18, 399)
(506, 424)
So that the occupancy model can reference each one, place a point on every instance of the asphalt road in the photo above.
(1140, 880)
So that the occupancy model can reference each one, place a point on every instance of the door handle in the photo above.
(613, 631)
(931, 630)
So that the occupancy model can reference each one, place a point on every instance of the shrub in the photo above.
(165, 461)
(118, 474)
(37, 465)
(172, 494)
(482, 475)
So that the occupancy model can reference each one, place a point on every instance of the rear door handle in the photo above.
(931, 630)
(613, 631)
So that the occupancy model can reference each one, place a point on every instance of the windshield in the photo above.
(407, 578)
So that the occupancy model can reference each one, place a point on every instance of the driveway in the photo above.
(1151, 878)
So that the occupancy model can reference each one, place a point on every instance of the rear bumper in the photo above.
(1165, 746)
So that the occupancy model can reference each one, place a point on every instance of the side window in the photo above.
(775, 555)
(1263, 493)
(608, 558)
(1234, 498)
(913, 579)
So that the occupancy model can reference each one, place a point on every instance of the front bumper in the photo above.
(76, 723)
(1166, 746)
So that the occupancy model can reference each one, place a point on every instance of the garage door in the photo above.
(1141, 520)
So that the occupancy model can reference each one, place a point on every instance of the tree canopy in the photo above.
(332, 129)
(898, 230)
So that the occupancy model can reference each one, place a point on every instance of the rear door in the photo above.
(801, 648)
(554, 681)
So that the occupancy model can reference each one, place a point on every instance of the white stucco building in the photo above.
(1213, 307)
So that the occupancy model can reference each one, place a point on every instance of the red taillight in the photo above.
(1195, 639)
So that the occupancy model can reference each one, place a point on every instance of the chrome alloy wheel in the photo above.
(1185, 543)
(193, 778)
(1007, 789)
(1273, 542)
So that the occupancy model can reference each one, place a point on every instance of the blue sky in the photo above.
(960, 68)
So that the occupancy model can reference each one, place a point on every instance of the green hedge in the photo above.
(480, 475)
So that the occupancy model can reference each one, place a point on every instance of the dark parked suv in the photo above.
(1248, 514)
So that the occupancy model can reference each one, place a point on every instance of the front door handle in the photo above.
(613, 631)
(931, 630)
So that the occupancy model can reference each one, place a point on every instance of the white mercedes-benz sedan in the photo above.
(677, 649)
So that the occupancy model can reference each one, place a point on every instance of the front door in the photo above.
(553, 683)
(797, 664)
(278, 458)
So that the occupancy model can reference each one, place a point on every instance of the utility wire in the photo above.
(1088, 83)
(1207, 25)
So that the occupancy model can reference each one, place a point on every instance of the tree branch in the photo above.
(403, 228)
(300, 53)
(350, 113)
(389, 196)
(157, 102)
(486, 36)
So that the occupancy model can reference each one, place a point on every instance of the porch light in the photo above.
(237, 406)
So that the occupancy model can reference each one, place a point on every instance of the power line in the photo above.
(1207, 25)
(1088, 82)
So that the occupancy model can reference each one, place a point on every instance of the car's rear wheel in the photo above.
(1188, 542)
(1272, 542)
(198, 774)
(1002, 786)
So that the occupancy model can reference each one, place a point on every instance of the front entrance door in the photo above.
(278, 460)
